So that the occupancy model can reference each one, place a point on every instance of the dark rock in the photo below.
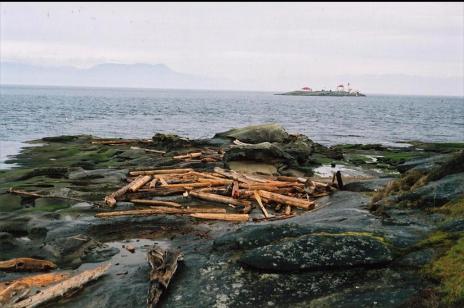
(300, 147)
(51, 172)
(170, 141)
(315, 251)
(423, 165)
(261, 152)
(437, 193)
(417, 258)
(453, 226)
(256, 134)
(382, 288)
(61, 139)
(368, 185)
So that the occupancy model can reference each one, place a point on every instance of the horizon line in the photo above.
(200, 89)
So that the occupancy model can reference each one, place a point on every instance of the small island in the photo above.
(341, 90)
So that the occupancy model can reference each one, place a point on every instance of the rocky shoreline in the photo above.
(392, 237)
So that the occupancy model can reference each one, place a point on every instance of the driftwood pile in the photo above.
(39, 289)
(239, 192)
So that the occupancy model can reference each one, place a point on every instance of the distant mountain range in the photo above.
(105, 75)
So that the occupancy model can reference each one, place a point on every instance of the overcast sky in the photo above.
(265, 45)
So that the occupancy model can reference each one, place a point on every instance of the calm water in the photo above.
(34, 112)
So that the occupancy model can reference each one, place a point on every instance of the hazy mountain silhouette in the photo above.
(105, 75)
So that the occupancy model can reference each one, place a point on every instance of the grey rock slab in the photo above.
(315, 251)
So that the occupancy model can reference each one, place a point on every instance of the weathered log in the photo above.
(150, 192)
(139, 182)
(194, 185)
(232, 175)
(111, 199)
(160, 171)
(216, 181)
(156, 202)
(235, 190)
(304, 204)
(148, 150)
(218, 198)
(162, 180)
(207, 175)
(188, 155)
(159, 211)
(153, 183)
(64, 287)
(258, 199)
(120, 141)
(163, 265)
(26, 264)
(267, 186)
(288, 210)
(217, 216)
(11, 291)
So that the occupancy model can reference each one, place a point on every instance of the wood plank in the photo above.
(218, 216)
(64, 287)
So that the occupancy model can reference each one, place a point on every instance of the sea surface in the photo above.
(28, 113)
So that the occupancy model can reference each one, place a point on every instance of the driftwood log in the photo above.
(219, 216)
(156, 202)
(159, 210)
(139, 182)
(12, 291)
(160, 171)
(163, 265)
(27, 264)
(304, 204)
(64, 287)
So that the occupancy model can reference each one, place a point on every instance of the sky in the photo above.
(260, 46)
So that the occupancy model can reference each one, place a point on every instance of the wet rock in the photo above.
(314, 251)
(368, 185)
(8, 241)
(256, 134)
(74, 250)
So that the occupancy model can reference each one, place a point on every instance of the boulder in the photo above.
(256, 133)
(261, 152)
(170, 141)
(316, 251)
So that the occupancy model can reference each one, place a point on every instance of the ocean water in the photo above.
(28, 113)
